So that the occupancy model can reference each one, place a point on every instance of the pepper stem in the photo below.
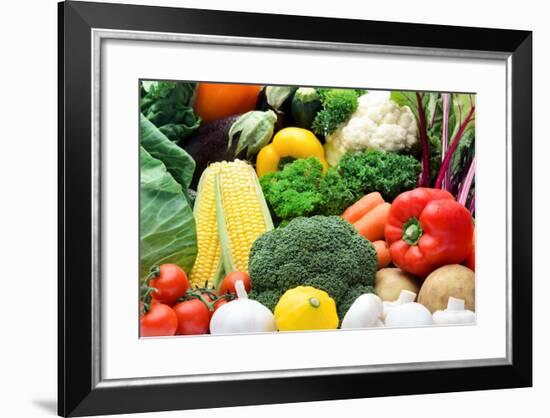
(314, 302)
(412, 231)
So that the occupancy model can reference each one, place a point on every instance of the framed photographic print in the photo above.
(285, 208)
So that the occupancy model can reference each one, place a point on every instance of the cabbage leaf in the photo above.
(167, 225)
(177, 161)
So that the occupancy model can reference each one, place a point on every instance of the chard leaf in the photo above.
(405, 98)
(167, 226)
(255, 129)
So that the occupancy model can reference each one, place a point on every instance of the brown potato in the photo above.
(391, 281)
(452, 280)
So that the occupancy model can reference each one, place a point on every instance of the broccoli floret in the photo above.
(336, 195)
(268, 298)
(385, 172)
(325, 252)
(294, 191)
(301, 189)
(338, 106)
(348, 299)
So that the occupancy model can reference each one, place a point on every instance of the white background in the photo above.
(28, 206)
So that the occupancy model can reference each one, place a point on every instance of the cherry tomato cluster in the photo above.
(170, 307)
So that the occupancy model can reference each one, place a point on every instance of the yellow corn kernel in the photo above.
(208, 262)
(242, 213)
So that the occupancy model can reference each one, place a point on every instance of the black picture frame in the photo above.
(78, 394)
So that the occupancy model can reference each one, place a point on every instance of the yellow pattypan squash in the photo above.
(305, 308)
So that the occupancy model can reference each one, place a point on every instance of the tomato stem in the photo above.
(412, 231)
(153, 274)
(146, 298)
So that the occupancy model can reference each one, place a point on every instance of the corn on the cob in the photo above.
(242, 213)
(208, 265)
(230, 213)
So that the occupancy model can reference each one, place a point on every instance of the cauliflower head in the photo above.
(378, 123)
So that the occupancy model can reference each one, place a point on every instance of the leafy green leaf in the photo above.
(177, 161)
(167, 104)
(461, 105)
(167, 226)
(464, 151)
(406, 98)
(255, 129)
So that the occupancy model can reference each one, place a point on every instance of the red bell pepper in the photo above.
(426, 229)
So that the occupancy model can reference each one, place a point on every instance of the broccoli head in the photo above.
(325, 252)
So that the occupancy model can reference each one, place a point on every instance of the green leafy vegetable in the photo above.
(167, 226)
(301, 189)
(338, 106)
(385, 172)
(450, 132)
(167, 105)
(178, 162)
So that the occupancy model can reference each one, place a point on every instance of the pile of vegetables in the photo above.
(285, 208)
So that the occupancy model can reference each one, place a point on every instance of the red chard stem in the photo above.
(467, 183)
(424, 179)
(445, 135)
(447, 160)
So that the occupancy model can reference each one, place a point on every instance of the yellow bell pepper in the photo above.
(305, 308)
(289, 142)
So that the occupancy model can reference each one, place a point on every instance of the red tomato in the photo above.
(161, 320)
(218, 303)
(193, 317)
(228, 283)
(171, 283)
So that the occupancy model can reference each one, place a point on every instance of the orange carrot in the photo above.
(372, 225)
(383, 253)
(362, 207)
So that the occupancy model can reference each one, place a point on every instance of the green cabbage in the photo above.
(167, 226)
